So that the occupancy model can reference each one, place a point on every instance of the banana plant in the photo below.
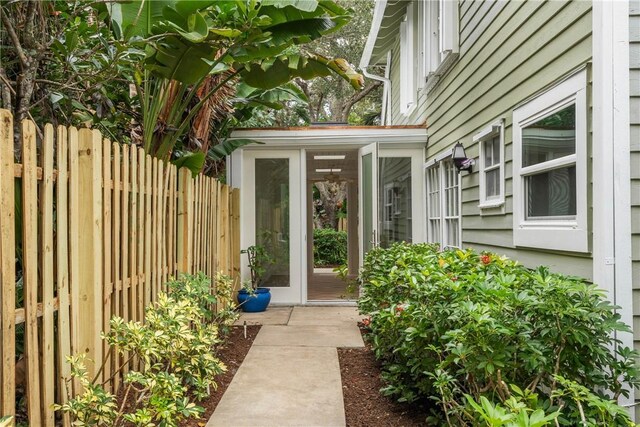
(259, 44)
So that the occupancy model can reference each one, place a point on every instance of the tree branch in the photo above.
(357, 97)
(14, 39)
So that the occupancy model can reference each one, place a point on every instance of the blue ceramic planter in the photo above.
(254, 303)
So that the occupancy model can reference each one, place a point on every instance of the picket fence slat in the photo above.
(46, 257)
(62, 268)
(117, 279)
(30, 267)
(108, 290)
(7, 266)
(74, 248)
(102, 227)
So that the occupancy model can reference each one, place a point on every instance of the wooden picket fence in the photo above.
(97, 229)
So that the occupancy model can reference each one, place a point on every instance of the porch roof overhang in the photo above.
(387, 16)
(333, 135)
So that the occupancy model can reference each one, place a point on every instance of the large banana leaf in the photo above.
(271, 98)
(277, 72)
(185, 62)
(136, 17)
(225, 148)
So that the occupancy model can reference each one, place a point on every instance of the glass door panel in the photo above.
(394, 200)
(272, 218)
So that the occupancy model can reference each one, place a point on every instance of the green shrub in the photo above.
(329, 247)
(175, 347)
(456, 326)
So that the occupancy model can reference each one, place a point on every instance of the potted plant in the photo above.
(253, 298)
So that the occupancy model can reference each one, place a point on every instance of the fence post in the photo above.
(185, 221)
(90, 227)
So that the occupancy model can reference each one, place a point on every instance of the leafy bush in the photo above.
(458, 326)
(329, 247)
(175, 346)
(216, 302)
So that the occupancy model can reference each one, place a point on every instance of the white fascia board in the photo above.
(321, 137)
(378, 15)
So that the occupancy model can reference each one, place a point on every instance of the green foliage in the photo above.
(455, 323)
(259, 261)
(6, 421)
(95, 406)
(188, 42)
(216, 301)
(175, 346)
(329, 247)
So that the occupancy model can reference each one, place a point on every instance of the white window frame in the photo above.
(443, 220)
(557, 234)
(496, 129)
(408, 90)
(438, 39)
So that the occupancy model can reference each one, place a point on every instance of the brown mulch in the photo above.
(232, 353)
(364, 405)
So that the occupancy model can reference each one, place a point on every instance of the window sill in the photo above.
(434, 77)
(492, 204)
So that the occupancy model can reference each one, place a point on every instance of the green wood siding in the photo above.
(509, 51)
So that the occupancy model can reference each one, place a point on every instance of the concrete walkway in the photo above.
(291, 375)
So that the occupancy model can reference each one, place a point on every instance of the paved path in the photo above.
(291, 375)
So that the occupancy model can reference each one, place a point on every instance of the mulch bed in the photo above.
(364, 405)
(232, 354)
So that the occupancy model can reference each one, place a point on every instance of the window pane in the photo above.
(491, 150)
(496, 150)
(395, 184)
(552, 193)
(272, 218)
(550, 138)
(492, 181)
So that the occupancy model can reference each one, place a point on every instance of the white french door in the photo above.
(368, 198)
(273, 201)
(391, 196)
(444, 224)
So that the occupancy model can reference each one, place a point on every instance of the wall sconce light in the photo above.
(460, 159)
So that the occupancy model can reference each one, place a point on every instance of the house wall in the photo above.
(634, 89)
(509, 51)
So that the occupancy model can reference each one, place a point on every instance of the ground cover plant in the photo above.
(329, 247)
(492, 342)
(175, 349)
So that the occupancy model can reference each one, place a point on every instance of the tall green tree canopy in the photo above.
(178, 68)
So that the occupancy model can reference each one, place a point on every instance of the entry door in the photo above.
(367, 198)
(272, 197)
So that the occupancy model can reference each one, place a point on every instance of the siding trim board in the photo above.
(612, 268)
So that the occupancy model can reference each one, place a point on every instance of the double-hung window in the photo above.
(550, 168)
(491, 142)
(443, 204)
(438, 38)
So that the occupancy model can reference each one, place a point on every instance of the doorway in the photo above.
(332, 225)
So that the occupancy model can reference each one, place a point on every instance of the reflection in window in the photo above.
(550, 189)
(272, 218)
(394, 200)
(550, 138)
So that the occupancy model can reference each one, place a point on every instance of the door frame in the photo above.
(297, 240)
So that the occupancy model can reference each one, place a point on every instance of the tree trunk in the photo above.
(332, 195)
